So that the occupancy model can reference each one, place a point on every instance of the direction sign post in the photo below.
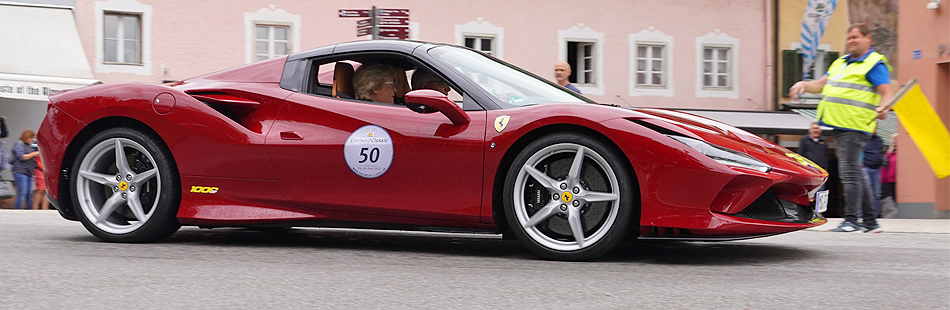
(381, 24)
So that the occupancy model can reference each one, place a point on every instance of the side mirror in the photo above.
(427, 101)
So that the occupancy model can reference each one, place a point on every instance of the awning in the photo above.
(885, 128)
(40, 51)
(760, 122)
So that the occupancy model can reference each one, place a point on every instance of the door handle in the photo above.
(290, 135)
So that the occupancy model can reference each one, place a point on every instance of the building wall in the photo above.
(189, 38)
(790, 14)
(924, 30)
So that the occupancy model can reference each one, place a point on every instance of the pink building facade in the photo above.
(672, 54)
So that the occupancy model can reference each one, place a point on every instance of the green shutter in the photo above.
(791, 70)
(830, 58)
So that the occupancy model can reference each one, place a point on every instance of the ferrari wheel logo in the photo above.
(123, 186)
(501, 122)
(566, 197)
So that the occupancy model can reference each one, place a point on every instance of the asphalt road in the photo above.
(47, 262)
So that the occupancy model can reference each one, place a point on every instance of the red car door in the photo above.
(377, 159)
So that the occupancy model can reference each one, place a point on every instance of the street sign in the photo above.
(363, 31)
(392, 21)
(354, 13)
(393, 12)
(393, 30)
(394, 37)
(364, 23)
(381, 24)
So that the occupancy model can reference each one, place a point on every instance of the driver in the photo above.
(375, 82)
(424, 79)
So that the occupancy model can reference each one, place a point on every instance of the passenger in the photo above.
(423, 79)
(375, 82)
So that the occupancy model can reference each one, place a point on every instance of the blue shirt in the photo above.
(572, 87)
(20, 165)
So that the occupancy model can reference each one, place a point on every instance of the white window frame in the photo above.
(482, 29)
(124, 7)
(121, 40)
(583, 34)
(651, 36)
(478, 44)
(271, 41)
(269, 16)
(714, 61)
(718, 39)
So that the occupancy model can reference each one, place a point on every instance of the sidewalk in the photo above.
(922, 226)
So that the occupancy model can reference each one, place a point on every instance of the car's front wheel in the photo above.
(569, 197)
(125, 187)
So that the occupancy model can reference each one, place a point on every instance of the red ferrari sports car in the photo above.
(282, 143)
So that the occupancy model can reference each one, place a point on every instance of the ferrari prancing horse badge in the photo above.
(501, 122)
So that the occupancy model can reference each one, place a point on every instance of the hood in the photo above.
(731, 137)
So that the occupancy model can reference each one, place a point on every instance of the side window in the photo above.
(334, 78)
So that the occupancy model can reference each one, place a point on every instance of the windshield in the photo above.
(506, 82)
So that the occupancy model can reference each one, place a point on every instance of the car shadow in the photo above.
(486, 245)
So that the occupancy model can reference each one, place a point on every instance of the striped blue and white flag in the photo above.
(813, 27)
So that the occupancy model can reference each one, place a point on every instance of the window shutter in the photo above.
(791, 70)
(830, 58)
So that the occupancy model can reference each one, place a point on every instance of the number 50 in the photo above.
(372, 157)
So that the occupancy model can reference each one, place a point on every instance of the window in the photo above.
(580, 55)
(716, 67)
(270, 32)
(792, 62)
(482, 36)
(651, 65)
(582, 48)
(122, 39)
(271, 41)
(484, 44)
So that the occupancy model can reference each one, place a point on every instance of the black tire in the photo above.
(599, 197)
(135, 200)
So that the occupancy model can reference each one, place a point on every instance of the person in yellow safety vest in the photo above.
(855, 90)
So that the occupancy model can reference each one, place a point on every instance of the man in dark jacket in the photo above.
(813, 146)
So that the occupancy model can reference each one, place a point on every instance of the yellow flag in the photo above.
(925, 128)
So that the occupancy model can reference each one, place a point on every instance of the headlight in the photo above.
(723, 155)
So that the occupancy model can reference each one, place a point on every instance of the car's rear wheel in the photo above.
(125, 187)
(569, 197)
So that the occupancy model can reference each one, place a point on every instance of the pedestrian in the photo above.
(39, 196)
(814, 147)
(24, 164)
(889, 181)
(853, 89)
(562, 71)
(873, 159)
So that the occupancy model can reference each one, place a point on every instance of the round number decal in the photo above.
(369, 151)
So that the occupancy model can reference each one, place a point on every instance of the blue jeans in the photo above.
(24, 191)
(874, 179)
(856, 189)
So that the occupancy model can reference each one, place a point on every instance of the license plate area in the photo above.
(821, 201)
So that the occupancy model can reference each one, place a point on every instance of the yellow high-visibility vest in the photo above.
(849, 99)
